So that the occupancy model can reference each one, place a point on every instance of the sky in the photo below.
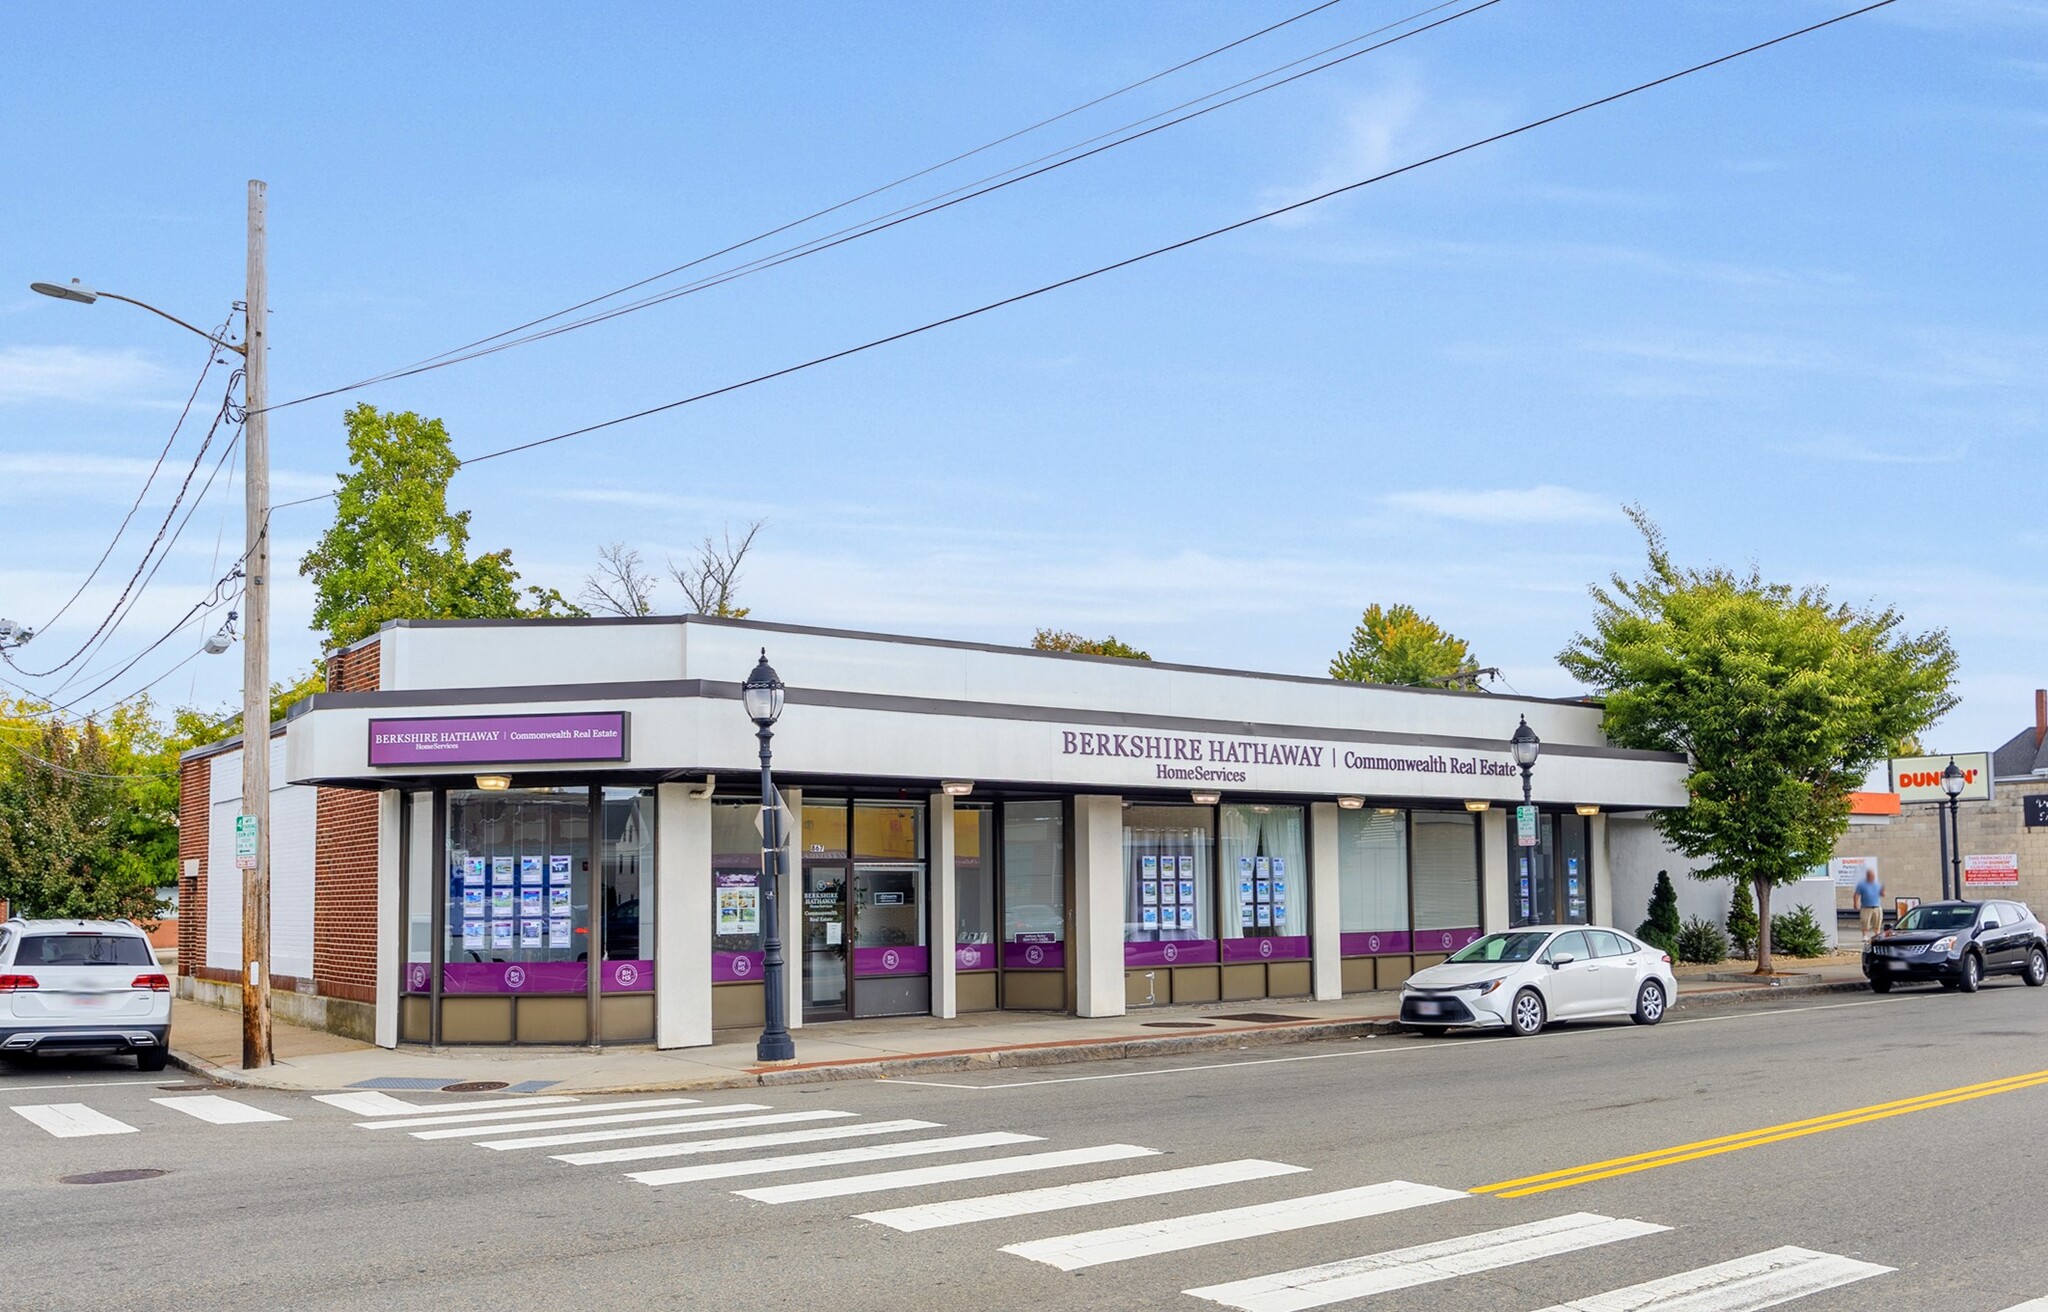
(1790, 306)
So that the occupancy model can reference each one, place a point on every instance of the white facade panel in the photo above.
(223, 880)
(528, 655)
(292, 813)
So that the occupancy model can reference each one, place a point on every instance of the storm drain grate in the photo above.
(112, 1177)
(1177, 1025)
(1261, 1017)
(185, 1088)
(400, 1082)
(474, 1086)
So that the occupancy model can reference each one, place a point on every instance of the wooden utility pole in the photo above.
(254, 822)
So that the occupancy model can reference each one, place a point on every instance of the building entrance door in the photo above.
(826, 944)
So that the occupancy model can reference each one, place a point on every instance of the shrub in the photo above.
(1662, 927)
(1742, 925)
(1702, 941)
(1797, 934)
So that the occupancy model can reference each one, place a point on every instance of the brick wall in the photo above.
(194, 785)
(1908, 847)
(345, 862)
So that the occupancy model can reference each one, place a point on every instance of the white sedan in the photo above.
(1525, 978)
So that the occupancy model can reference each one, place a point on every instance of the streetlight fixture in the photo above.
(252, 826)
(762, 696)
(1526, 747)
(1953, 781)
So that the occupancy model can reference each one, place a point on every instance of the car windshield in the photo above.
(1500, 947)
(86, 949)
(1949, 917)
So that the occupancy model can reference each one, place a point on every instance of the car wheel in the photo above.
(1880, 984)
(152, 1059)
(2037, 968)
(1527, 1016)
(1973, 973)
(1649, 1004)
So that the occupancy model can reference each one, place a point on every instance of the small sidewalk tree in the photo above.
(1781, 700)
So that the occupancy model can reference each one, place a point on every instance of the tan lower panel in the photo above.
(1425, 962)
(736, 1006)
(626, 1018)
(476, 1020)
(975, 991)
(1394, 971)
(554, 1020)
(1358, 975)
(1035, 990)
(1146, 987)
(415, 1017)
(1244, 981)
(1196, 984)
(1287, 979)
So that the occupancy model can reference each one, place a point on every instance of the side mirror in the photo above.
(1558, 963)
(1990, 924)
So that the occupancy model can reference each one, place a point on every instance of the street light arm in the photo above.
(239, 350)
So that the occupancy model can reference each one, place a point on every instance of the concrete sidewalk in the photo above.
(207, 1041)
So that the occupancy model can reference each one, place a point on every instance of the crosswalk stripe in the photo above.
(373, 1103)
(958, 1143)
(916, 1176)
(672, 1127)
(72, 1120)
(514, 1113)
(1404, 1268)
(1746, 1284)
(737, 1141)
(1026, 1202)
(562, 1123)
(218, 1111)
(2031, 1305)
(1120, 1243)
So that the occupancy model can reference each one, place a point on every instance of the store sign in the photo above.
(1918, 778)
(1991, 871)
(2036, 807)
(500, 739)
(1848, 870)
(1193, 758)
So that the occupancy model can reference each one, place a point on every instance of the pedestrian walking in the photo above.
(1870, 902)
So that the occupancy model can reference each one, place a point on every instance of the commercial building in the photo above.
(545, 832)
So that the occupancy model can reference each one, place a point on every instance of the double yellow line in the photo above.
(1729, 1143)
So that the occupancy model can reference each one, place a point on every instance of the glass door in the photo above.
(825, 943)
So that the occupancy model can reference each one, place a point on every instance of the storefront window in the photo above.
(1446, 880)
(1264, 856)
(735, 892)
(974, 888)
(628, 890)
(518, 891)
(1034, 885)
(1372, 882)
(419, 892)
(888, 889)
(1169, 893)
(1551, 882)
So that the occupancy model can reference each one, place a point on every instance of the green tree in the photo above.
(1061, 640)
(395, 550)
(1781, 699)
(1399, 645)
(1663, 926)
(73, 840)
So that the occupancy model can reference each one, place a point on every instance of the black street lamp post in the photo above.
(762, 696)
(1526, 745)
(1953, 781)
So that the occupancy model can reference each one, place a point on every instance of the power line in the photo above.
(1171, 247)
(933, 204)
(829, 209)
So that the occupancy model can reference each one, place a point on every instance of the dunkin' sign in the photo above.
(1918, 778)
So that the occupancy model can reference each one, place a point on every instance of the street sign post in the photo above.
(1525, 826)
(245, 842)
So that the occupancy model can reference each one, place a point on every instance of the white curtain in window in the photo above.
(1372, 872)
(1446, 870)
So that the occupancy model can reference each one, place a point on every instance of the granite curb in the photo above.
(1059, 1053)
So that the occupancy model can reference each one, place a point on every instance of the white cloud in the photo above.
(1544, 504)
(1369, 141)
(68, 374)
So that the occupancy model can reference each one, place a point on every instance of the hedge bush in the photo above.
(1742, 920)
(1798, 934)
(1702, 941)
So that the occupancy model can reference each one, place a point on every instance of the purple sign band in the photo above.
(1173, 952)
(974, 956)
(1034, 956)
(891, 961)
(499, 739)
(1272, 947)
(735, 967)
(1373, 942)
(534, 977)
(1443, 940)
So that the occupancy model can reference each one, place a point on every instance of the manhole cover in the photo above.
(1262, 1017)
(1177, 1025)
(183, 1088)
(112, 1177)
(474, 1086)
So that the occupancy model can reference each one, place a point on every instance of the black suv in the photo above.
(1958, 944)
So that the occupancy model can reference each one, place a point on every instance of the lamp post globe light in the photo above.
(1526, 747)
(1953, 781)
(762, 697)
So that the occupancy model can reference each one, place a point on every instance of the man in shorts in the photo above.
(1870, 902)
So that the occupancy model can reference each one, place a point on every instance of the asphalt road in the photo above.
(1900, 1148)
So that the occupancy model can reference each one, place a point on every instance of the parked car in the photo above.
(1525, 978)
(82, 986)
(1958, 944)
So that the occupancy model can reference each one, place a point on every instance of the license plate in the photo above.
(1429, 1008)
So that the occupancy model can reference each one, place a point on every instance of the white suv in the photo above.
(83, 986)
